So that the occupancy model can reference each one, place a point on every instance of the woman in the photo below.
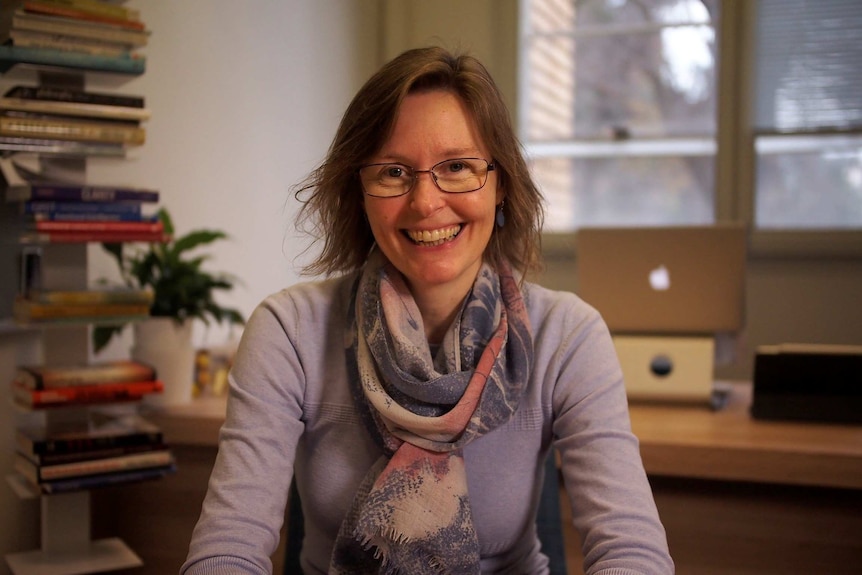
(415, 395)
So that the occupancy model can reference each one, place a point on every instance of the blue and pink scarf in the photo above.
(411, 514)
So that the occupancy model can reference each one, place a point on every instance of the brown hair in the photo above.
(331, 196)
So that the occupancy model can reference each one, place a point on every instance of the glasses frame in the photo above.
(490, 168)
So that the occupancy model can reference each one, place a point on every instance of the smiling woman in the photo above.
(427, 379)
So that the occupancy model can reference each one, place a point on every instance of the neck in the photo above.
(438, 307)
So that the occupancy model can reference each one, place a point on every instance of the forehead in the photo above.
(433, 125)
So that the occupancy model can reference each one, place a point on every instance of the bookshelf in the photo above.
(66, 546)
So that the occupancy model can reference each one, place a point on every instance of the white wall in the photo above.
(245, 97)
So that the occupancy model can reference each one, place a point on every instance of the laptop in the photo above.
(665, 280)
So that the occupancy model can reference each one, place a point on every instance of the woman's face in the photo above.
(435, 239)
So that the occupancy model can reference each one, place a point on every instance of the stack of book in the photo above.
(78, 34)
(93, 306)
(69, 121)
(56, 211)
(41, 387)
(109, 450)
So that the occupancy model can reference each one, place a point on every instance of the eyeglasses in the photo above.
(455, 176)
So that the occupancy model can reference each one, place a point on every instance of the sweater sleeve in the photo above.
(612, 505)
(243, 510)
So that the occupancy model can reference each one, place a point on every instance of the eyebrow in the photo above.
(447, 155)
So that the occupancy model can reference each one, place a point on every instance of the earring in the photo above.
(500, 217)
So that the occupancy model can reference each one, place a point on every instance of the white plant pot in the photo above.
(167, 346)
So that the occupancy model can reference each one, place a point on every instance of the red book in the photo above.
(85, 394)
(100, 226)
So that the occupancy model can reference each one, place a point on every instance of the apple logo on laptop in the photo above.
(659, 278)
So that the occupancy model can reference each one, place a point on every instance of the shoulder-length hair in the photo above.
(331, 196)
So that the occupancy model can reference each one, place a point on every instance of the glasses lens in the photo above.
(386, 179)
(461, 174)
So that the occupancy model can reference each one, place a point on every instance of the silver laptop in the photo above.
(665, 280)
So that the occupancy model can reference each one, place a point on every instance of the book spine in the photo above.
(93, 481)
(25, 311)
(71, 193)
(75, 109)
(72, 130)
(86, 444)
(78, 96)
(84, 237)
(86, 394)
(12, 55)
(51, 9)
(78, 28)
(58, 211)
(28, 39)
(95, 297)
(106, 465)
(99, 7)
(46, 377)
(76, 456)
(69, 147)
(98, 226)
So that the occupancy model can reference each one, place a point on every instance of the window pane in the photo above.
(808, 64)
(809, 182)
(625, 191)
(611, 92)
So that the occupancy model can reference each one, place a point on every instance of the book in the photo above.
(63, 118)
(10, 56)
(66, 129)
(56, 94)
(53, 376)
(154, 227)
(84, 394)
(71, 148)
(75, 109)
(22, 20)
(96, 481)
(92, 211)
(65, 11)
(25, 311)
(22, 185)
(127, 462)
(84, 237)
(88, 455)
(103, 431)
(99, 7)
(30, 39)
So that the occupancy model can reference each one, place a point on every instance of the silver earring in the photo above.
(501, 217)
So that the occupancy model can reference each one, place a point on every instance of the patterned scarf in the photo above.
(411, 514)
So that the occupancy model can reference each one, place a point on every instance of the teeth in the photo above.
(434, 236)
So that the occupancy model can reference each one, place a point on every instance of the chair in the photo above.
(548, 523)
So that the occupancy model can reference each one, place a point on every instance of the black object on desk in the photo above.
(808, 382)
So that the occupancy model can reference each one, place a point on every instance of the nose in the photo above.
(425, 197)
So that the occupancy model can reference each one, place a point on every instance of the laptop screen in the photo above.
(662, 280)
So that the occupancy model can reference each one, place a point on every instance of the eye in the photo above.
(393, 172)
(455, 166)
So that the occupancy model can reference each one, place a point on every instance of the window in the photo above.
(808, 114)
(618, 105)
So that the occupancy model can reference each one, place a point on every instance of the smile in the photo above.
(433, 237)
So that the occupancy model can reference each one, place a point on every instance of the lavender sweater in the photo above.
(290, 411)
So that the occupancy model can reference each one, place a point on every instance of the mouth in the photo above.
(433, 238)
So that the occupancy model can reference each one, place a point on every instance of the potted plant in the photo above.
(182, 291)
